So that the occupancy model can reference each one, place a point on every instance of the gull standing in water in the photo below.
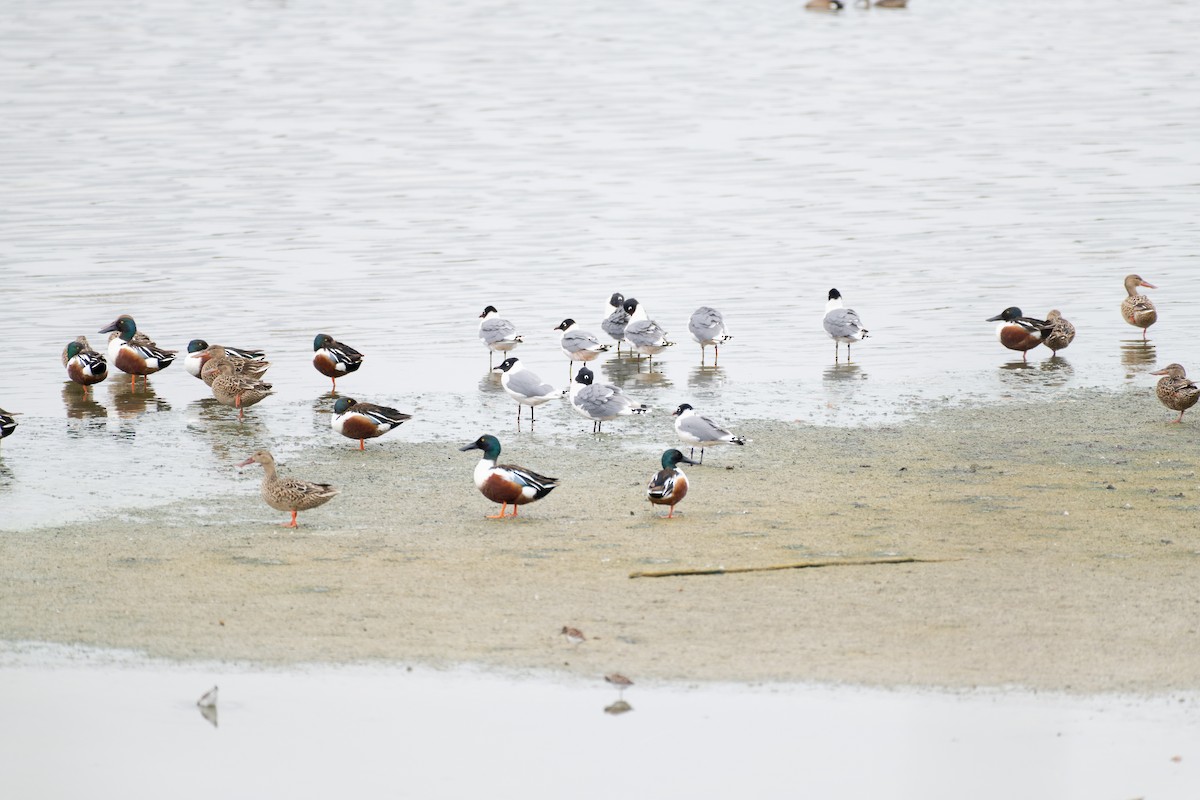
(578, 345)
(498, 335)
(600, 402)
(614, 324)
(707, 326)
(842, 324)
(644, 334)
(524, 386)
(700, 431)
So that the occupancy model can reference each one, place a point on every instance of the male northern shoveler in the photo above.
(251, 369)
(700, 431)
(363, 421)
(578, 345)
(199, 355)
(669, 485)
(7, 423)
(842, 324)
(334, 359)
(616, 319)
(1137, 308)
(600, 402)
(288, 494)
(79, 340)
(84, 365)
(707, 327)
(644, 334)
(1059, 333)
(1175, 390)
(132, 355)
(234, 390)
(524, 386)
(506, 483)
(498, 335)
(1018, 332)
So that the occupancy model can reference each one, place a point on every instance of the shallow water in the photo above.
(130, 728)
(257, 172)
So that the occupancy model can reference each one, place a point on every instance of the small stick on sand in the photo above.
(795, 565)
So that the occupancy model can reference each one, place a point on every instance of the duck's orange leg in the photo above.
(503, 506)
(671, 512)
(514, 510)
(293, 523)
(362, 444)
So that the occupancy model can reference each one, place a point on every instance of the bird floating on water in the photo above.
(289, 494)
(669, 485)
(1018, 332)
(1175, 390)
(133, 356)
(506, 484)
(497, 334)
(524, 386)
(333, 359)
(707, 327)
(1137, 308)
(842, 324)
(700, 431)
(363, 421)
(600, 402)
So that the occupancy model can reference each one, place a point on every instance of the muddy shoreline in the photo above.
(1067, 530)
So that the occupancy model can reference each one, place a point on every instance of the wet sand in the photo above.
(1070, 558)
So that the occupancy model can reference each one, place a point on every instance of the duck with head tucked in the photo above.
(1058, 333)
(334, 359)
(363, 421)
(200, 352)
(84, 365)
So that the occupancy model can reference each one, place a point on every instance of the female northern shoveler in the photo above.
(669, 485)
(524, 386)
(199, 355)
(288, 494)
(1059, 333)
(1137, 308)
(699, 431)
(824, 5)
(363, 421)
(506, 483)
(578, 345)
(84, 365)
(644, 334)
(707, 327)
(134, 355)
(1018, 332)
(334, 359)
(600, 402)
(842, 324)
(7, 423)
(248, 368)
(616, 320)
(236, 391)
(1175, 391)
(498, 335)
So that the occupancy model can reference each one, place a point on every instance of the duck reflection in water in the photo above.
(80, 404)
(129, 402)
(1137, 356)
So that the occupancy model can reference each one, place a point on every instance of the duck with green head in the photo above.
(363, 421)
(506, 484)
(84, 365)
(132, 355)
(333, 359)
(7, 423)
(199, 354)
(669, 485)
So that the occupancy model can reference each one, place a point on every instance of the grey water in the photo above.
(255, 172)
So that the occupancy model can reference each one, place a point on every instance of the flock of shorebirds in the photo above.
(235, 374)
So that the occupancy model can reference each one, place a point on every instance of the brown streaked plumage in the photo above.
(1137, 308)
(1060, 332)
(250, 369)
(288, 494)
(1175, 391)
(236, 391)
(574, 635)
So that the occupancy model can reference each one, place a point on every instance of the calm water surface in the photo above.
(253, 173)
(78, 723)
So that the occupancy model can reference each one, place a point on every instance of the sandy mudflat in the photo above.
(1070, 529)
